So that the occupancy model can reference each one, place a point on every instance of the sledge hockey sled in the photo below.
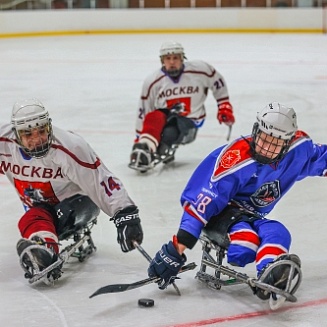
(76, 217)
(179, 130)
(220, 275)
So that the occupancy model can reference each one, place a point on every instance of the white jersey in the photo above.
(191, 89)
(70, 167)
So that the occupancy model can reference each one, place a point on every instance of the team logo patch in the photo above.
(266, 194)
(32, 193)
(230, 158)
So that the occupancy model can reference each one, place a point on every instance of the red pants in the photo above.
(154, 123)
(38, 221)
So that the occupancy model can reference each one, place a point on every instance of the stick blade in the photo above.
(115, 288)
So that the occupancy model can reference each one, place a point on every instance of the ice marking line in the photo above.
(249, 315)
(60, 313)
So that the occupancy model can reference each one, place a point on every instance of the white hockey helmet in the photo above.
(278, 121)
(171, 47)
(28, 115)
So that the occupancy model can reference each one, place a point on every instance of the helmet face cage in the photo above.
(270, 149)
(172, 48)
(32, 128)
(275, 123)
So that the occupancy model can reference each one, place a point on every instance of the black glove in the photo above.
(166, 264)
(129, 228)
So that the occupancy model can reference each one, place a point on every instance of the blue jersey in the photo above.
(230, 174)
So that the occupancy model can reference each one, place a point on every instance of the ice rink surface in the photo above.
(91, 84)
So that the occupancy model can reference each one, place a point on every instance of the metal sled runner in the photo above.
(221, 275)
(77, 215)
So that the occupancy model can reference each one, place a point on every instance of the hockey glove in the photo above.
(129, 228)
(166, 265)
(225, 114)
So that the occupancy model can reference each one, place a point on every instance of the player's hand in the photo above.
(166, 264)
(129, 228)
(225, 114)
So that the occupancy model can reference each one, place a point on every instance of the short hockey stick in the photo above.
(147, 256)
(229, 132)
(117, 288)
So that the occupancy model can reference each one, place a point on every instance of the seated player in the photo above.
(47, 165)
(171, 107)
(240, 184)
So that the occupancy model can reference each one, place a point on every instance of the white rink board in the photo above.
(129, 20)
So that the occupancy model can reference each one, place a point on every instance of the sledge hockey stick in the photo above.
(229, 132)
(146, 255)
(117, 288)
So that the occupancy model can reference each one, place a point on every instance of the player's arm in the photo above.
(225, 113)
(146, 103)
(107, 191)
(199, 201)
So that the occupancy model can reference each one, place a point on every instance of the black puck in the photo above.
(146, 303)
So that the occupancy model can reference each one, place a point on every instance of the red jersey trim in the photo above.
(232, 158)
(192, 212)
(300, 135)
(94, 165)
(150, 87)
(199, 72)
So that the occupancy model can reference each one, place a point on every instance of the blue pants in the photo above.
(261, 241)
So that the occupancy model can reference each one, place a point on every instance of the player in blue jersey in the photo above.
(240, 183)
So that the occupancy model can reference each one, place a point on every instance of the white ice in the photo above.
(91, 84)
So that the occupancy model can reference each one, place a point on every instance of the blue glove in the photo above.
(166, 265)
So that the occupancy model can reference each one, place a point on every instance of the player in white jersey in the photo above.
(48, 165)
(171, 107)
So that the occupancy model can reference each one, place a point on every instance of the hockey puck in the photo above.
(146, 303)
